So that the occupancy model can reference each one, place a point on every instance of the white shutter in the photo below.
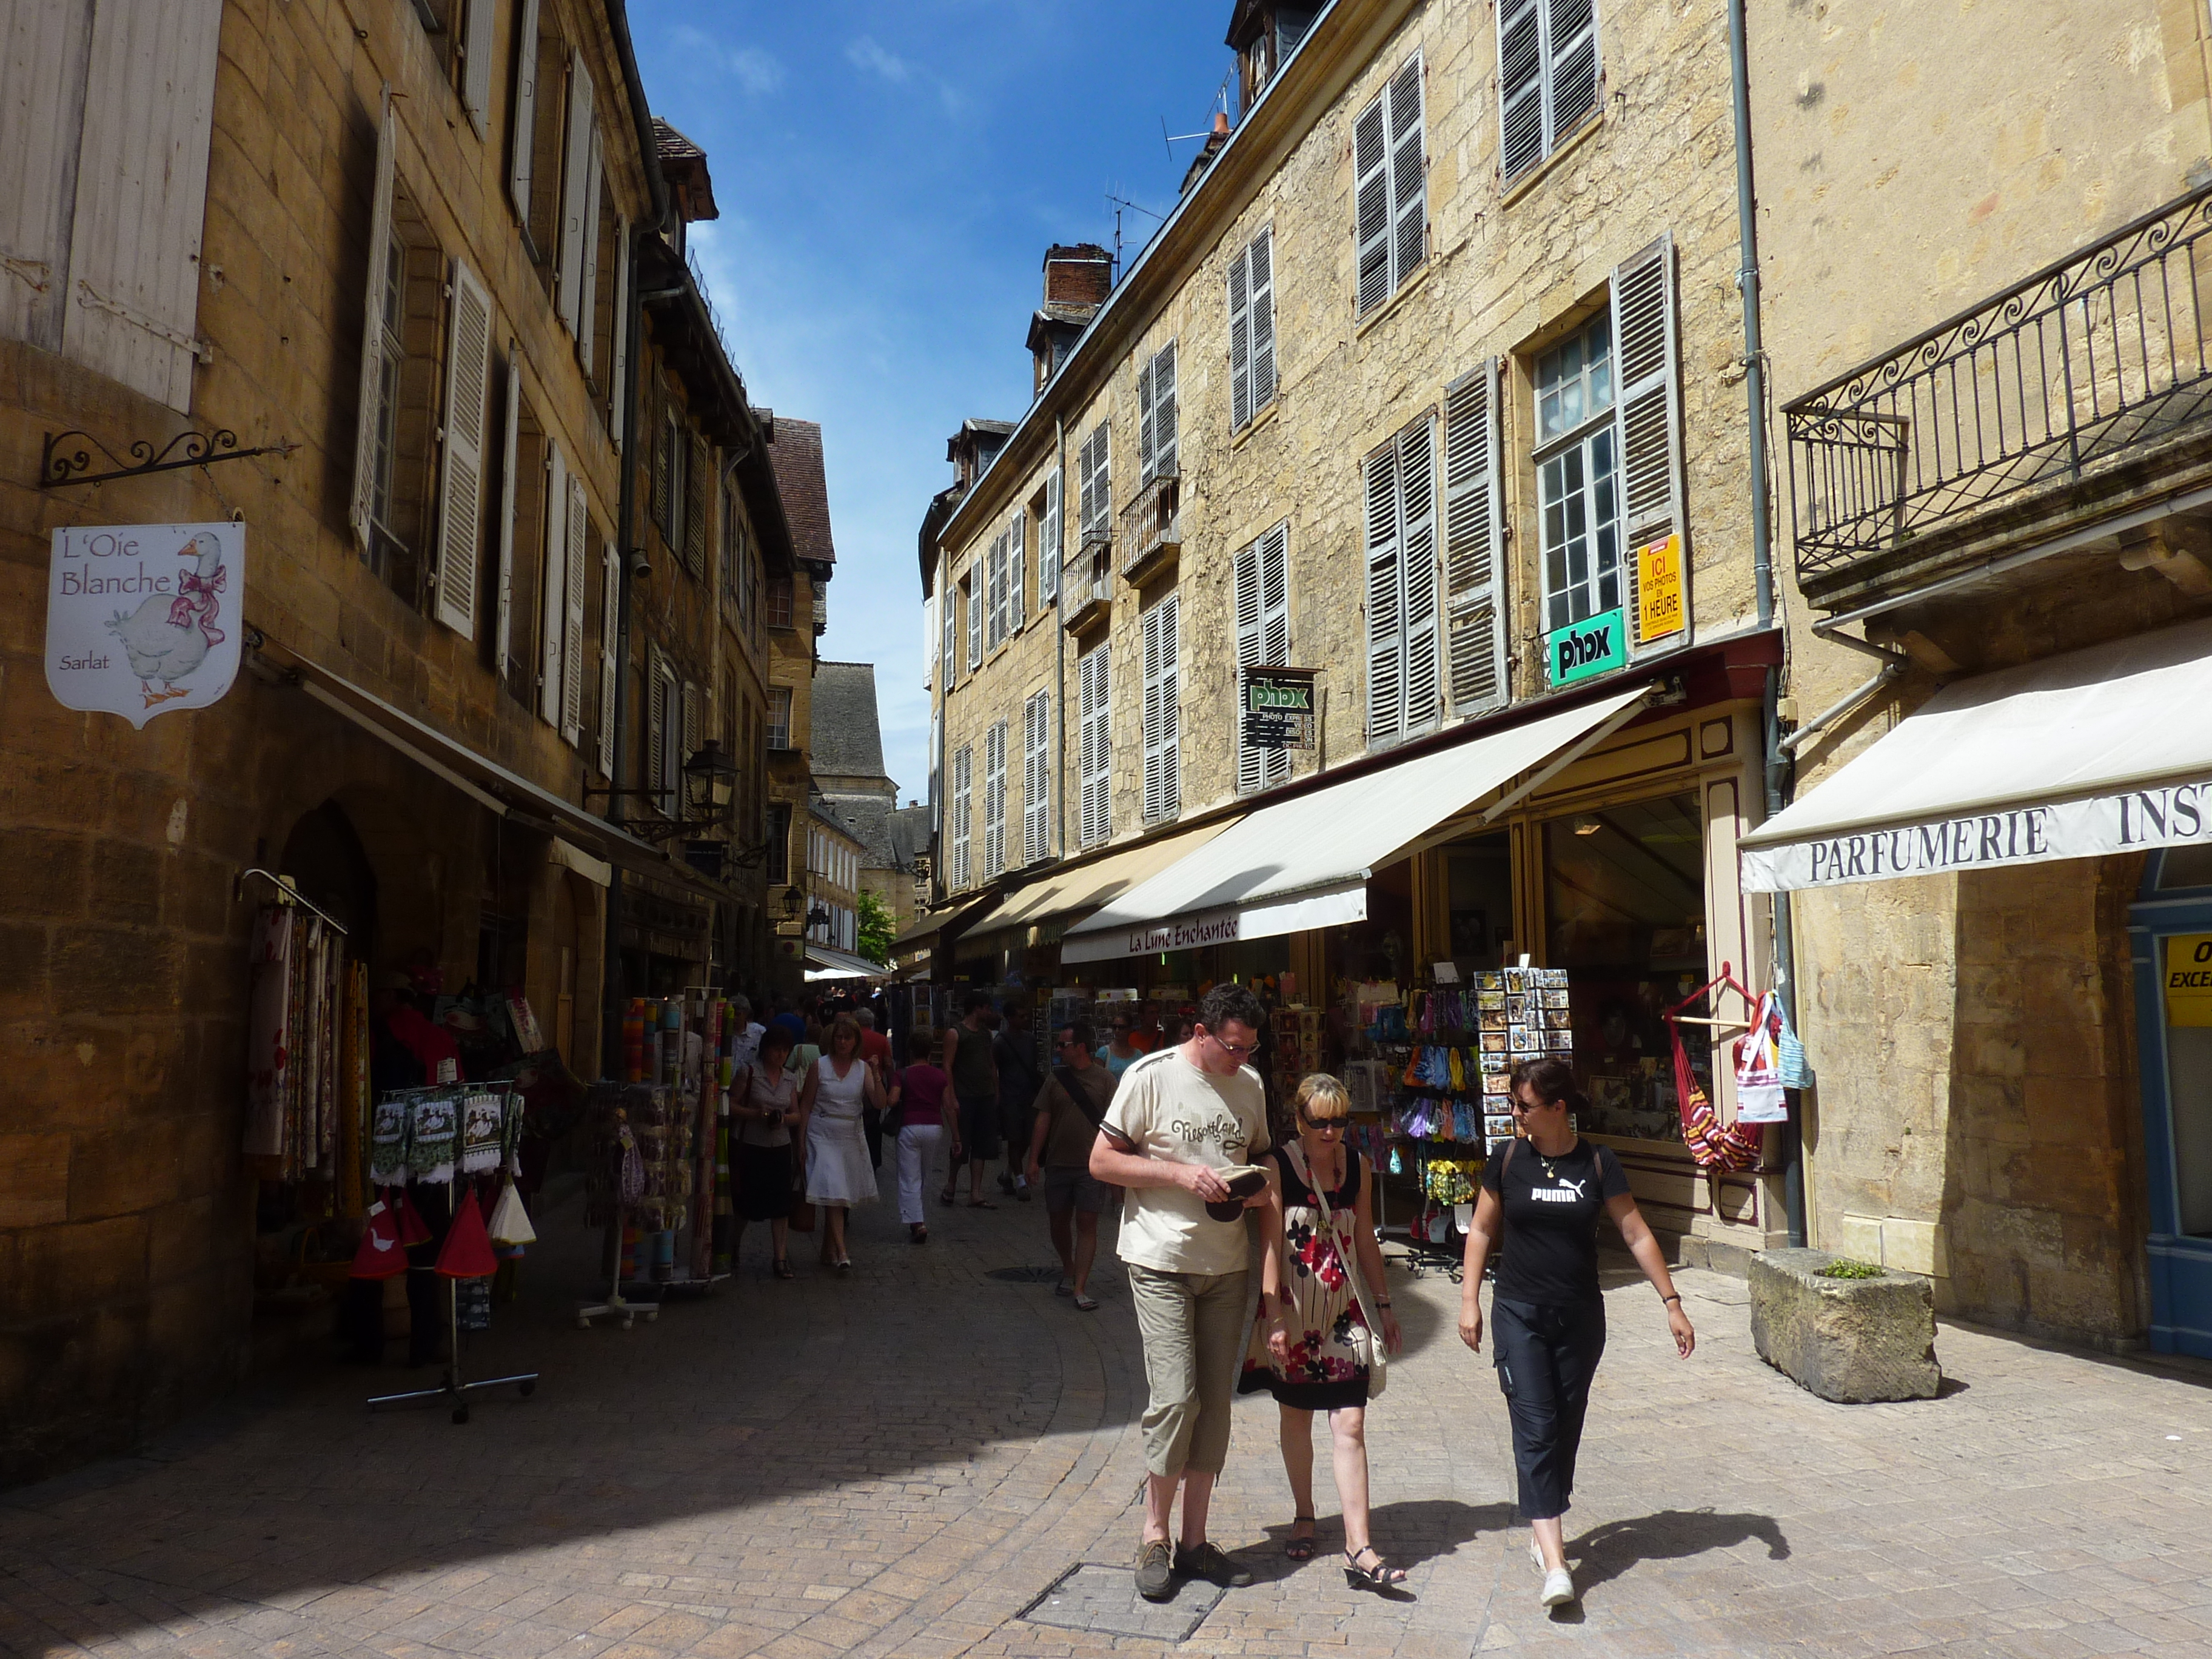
(1385, 633)
(134, 250)
(963, 774)
(1370, 164)
(1409, 196)
(694, 734)
(1417, 490)
(43, 50)
(1163, 778)
(1647, 413)
(610, 648)
(572, 632)
(1519, 87)
(522, 124)
(553, 614)
(476, 64)
(618, 380)
(1473, 538)
(510, 440)
(1262, 255)
(1037, 777)
(1048, 542)
(1096, 746)
(949, 596)
(587, 297)
(575, 169)
(372, 325)
(1240, 340)
(994, 592)
(656, 725)
(977, 588)
(460, 496)
(994, 799)
(1263, 640)
(1570, 59)
(1018, 560)
(1164, 412)
(1144, 423)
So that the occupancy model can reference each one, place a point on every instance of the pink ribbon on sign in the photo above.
(196, 602)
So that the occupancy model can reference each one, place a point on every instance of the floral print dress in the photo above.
(1324, 1373)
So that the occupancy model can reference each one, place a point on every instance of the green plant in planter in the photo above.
(1844, 1267)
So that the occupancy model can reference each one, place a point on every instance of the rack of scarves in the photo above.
(307, 1047)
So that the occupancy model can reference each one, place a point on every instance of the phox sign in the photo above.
(143, 619)
(1582, 649)
(1277, 710)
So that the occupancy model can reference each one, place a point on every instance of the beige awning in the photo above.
(1084, 887)
(928, 927)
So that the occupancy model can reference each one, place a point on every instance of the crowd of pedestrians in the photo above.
(1177, 1137)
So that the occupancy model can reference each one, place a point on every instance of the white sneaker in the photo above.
(1559, 1588)
(1536, 1554)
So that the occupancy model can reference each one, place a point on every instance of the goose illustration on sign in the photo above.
(135, 616)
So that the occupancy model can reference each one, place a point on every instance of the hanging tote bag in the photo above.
(1366, 1342)
(1713, 1145)
(510, 1222)
(1759, 1086)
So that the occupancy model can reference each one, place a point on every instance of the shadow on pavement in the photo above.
(1607, 1552)
(1409, 1534)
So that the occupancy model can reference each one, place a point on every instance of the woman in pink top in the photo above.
(928, 1117)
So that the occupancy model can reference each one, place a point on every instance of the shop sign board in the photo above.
(1659, 590)
(141, 619)
(1583, 650)
(1279, 708)
(2189, 980)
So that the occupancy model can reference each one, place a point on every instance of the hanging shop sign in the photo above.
(1279, 708)
(141, 619)
(2189, 980)
(1659, 590)
(1583, 649)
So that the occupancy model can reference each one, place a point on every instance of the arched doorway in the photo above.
(324, 859)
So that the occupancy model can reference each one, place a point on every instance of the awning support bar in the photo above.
(1567, 756)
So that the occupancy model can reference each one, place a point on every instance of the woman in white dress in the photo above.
(838, 1172)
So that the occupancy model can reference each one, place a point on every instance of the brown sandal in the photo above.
(1297, 1548)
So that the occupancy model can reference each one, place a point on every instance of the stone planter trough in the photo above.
(1851, 1341)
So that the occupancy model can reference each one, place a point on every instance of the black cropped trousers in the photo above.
(1547, 1355)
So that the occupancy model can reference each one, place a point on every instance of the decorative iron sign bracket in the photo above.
(60, 464)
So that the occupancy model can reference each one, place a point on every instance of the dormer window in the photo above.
(1263, 33)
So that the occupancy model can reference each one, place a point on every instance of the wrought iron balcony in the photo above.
(1149, 531)
(2075, 371)
(1086, 590)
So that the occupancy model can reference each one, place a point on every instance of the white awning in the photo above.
(1304, 862)
(2103, 750)
(823, 962)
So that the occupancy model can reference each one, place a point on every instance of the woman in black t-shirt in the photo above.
(1541, 1197)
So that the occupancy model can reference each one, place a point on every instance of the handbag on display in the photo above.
(1759, 1083)
(1366, 1340)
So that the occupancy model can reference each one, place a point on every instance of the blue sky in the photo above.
(889, 177)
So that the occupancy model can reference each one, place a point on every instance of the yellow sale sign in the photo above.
(2189, 980)
(1659, 590)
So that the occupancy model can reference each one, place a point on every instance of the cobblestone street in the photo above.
(902, 1463)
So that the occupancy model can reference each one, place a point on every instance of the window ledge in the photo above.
(1407, 289)
(1238, 439)
(1544, 169)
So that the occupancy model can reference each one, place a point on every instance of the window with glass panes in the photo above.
(1577, 488)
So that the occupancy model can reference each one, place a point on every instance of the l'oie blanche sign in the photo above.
(2175, 815)
(141, 619)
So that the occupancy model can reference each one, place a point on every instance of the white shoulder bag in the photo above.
(1367, 1342)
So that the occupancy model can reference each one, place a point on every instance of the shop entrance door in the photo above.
(2170, 927)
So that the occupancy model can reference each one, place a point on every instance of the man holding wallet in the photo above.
(1186, 1123)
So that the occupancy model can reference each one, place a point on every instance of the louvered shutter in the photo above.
(1263, 640)
(1162, 780)
(1048, 541)
(1240, 340)
(994, 799)
(1409, 196)
(1163, 413)
(1096, 745)
(553, 615)
(132, 305)
(994, 592)
(663, 467)
(1417, 488)
(587, 296)
(475, 66)
(575, 170)
(693, 735)
(42, 65)
(1647, 413)
(1245, 569)
(618, 335)
(572, 633)
(510, 440)
(1386, 638)
(978, 589)
(1261, 259)
(1473, 590)
(656, 727)
(610, 650)
(522, 125)
(1370, 164)
(1018, 562)
(1037, 777)
(372, 325)
(698, 477)
(963, 774)
(1570, 56)
(460, 496)
(671, 740)
(1519, 87)
(1144, 423)
(950, 599)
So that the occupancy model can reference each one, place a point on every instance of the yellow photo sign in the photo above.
(1659, 590)
(2189, 980)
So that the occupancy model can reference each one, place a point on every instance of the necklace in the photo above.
(1551, 1171)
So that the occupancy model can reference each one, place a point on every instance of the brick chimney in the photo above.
(1079, 275)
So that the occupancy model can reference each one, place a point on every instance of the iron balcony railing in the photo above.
(2088, 358)
(1149, 524)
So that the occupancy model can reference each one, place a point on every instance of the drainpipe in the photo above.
(617, 991)
(1059, 642)
(1776, 759)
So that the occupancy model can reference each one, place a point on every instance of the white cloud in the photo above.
(866, 53)
(758, 72)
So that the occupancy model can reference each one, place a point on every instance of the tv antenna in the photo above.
(1171, 139)
(1122, 204)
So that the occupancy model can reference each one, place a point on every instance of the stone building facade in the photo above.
(848, 770)
(795, 611)
(404, 263)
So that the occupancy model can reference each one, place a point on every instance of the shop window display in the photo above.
(1625, 908)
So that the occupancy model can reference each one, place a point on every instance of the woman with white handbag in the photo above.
(1324, 1337)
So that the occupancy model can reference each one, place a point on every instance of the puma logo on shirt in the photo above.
(1569, 1192)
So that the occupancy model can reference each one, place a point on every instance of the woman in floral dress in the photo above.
(1302, 1350)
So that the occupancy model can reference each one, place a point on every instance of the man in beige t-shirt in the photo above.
(1185, 1122)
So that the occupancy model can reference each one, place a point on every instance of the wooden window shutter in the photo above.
(1096, 752)
(949, 598)
(1473, 543)
(994, 592)
(522, 124)
(609, 650)
(1162, 776)
(1570, 61)
(994, 799)
(1261, 259)
(1145, 423)
(1371, 165)
(664, 464)
(1416, 487)
(1163, 413)
(1048, 541)
(476, 64)
(1245, 568)
(1240, 340)
(579, 534)
(554, 613)
(1409, 196)
(976, 590)
(1647, 413)
(370, 402)
(656, 723)
(1037, 777)
(618, 378)
(510, 442)
(1018, 563)
(964, 776)
(575, 170)
(42, 64)
(460, 495)
(695, 733)
(132, 304)
(587, 293)
(1263, 640)
(698, 479)
(1386, 636)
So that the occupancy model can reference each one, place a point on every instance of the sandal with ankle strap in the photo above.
(1297, 1548)
(1380, 1575)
